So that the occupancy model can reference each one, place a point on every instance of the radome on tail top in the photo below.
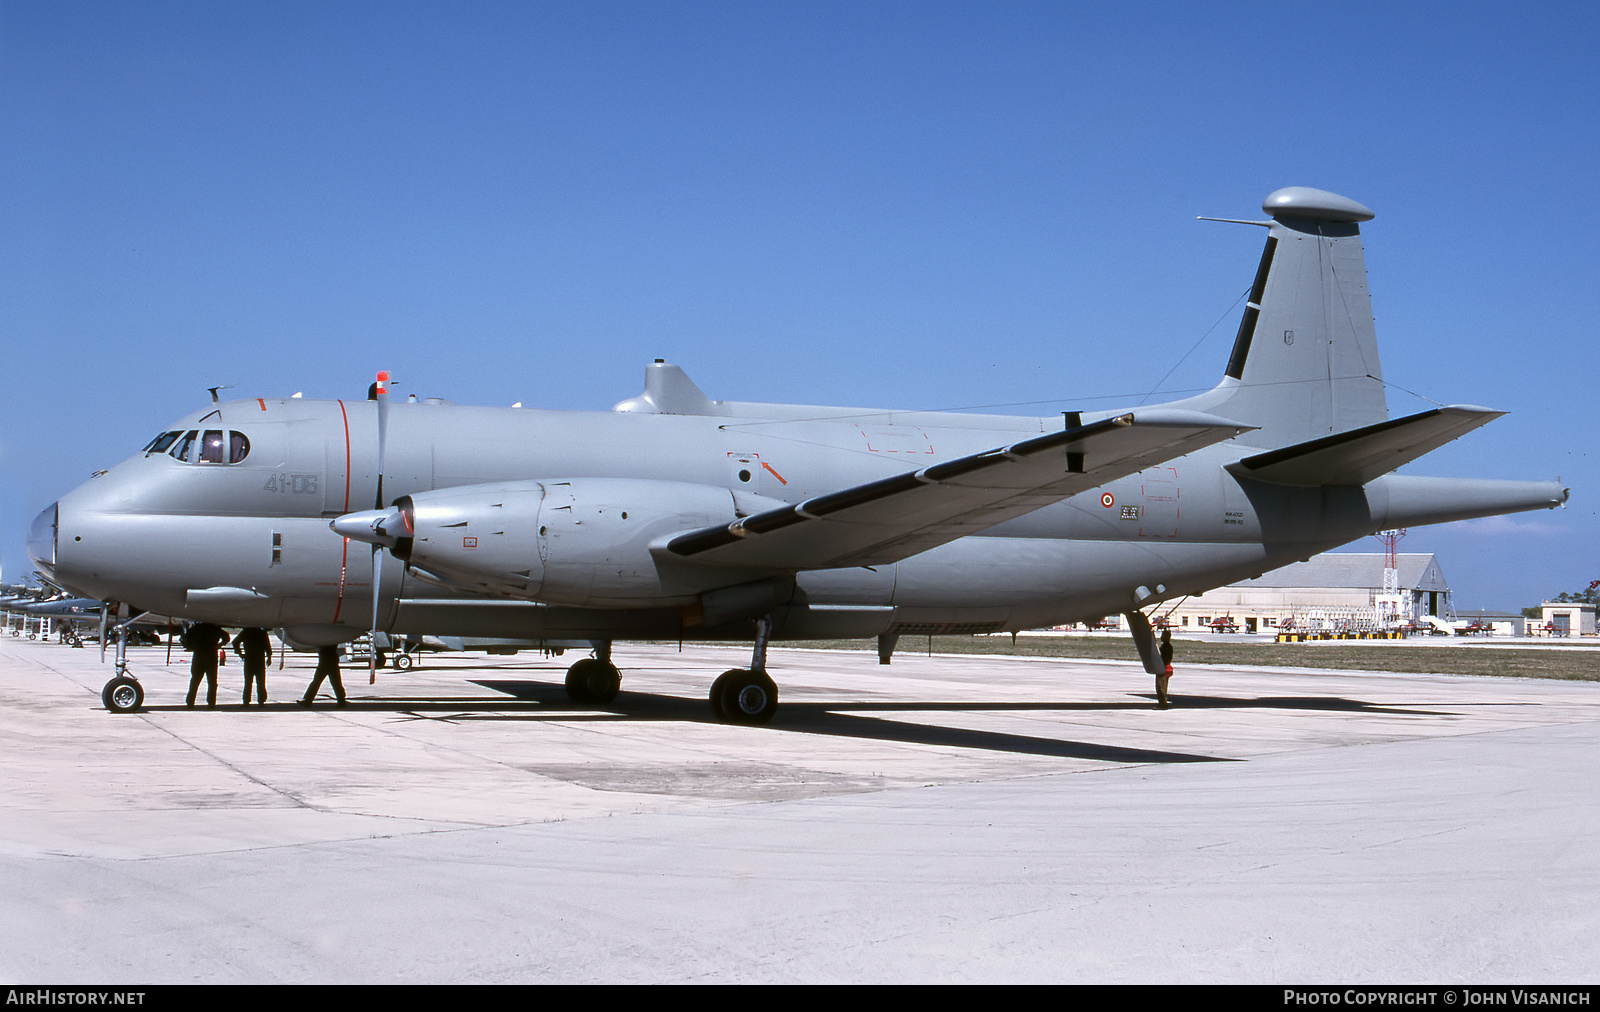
(674, 515)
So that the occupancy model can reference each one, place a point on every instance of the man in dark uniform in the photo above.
(327, 667)
(1166, 662)
(256, 650)
(203, 640)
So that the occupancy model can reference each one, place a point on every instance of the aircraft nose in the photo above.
(42, 539)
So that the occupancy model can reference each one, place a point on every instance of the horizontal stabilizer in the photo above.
(1360, 455)
(894, 518)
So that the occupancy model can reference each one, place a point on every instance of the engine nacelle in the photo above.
(580, 541)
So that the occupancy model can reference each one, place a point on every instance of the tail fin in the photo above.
(1305, 362)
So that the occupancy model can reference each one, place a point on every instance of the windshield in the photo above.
(216, 446)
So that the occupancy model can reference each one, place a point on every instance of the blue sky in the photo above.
(929, 205)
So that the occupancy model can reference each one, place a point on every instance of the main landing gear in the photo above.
(740, 696)
(747, 695)
(594, 679)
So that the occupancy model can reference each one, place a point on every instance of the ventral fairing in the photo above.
(675, 515)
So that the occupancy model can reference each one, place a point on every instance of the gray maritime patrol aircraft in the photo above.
(677, 516)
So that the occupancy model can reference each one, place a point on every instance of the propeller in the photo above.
(384, 529)
(381, 395)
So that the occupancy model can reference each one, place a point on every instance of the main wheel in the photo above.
(746, 697)
(402, 662)
(122, 695)
(593, 681)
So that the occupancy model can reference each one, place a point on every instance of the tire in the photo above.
(402, 662)
(716, 692)
(122, 695)
(748, 697)
(593, 681)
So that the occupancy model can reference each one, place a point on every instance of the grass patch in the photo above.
(1516, 662)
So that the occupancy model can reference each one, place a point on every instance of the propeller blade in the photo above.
(381, 395)
(377, 589)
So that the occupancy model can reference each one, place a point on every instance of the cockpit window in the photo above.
(181, 450)
(211, 446)
(216, 446)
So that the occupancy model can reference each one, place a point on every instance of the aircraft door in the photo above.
(1159, 514)
(299, 474)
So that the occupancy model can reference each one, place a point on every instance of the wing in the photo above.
(888, 520)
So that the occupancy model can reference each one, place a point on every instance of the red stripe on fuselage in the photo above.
(338, 604)
(344, 553)
(346, 416)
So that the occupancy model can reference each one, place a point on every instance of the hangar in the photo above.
(1332, 588)
(1566, 618)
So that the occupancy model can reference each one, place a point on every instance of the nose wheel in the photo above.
(122, 694)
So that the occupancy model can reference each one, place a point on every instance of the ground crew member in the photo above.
(1166, 663)
(327, 667)
(255, 648)
(203, 640)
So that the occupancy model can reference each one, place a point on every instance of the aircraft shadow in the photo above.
(555, 695)
(865, 720)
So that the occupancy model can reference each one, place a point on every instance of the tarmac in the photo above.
(942, 819)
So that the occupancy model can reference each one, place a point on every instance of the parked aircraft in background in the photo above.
(405, 652)
(674, 515)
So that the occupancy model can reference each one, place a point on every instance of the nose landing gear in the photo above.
(123, 694)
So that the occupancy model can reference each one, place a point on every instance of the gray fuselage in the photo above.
(248, 543)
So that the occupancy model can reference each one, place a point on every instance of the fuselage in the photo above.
(225, 517)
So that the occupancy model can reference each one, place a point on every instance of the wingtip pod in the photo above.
(1315, 204)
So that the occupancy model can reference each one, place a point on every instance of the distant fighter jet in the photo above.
(674, 515)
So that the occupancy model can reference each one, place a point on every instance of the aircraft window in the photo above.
(181, 450)
(161, 443)
(238, 447)
(211, 446)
